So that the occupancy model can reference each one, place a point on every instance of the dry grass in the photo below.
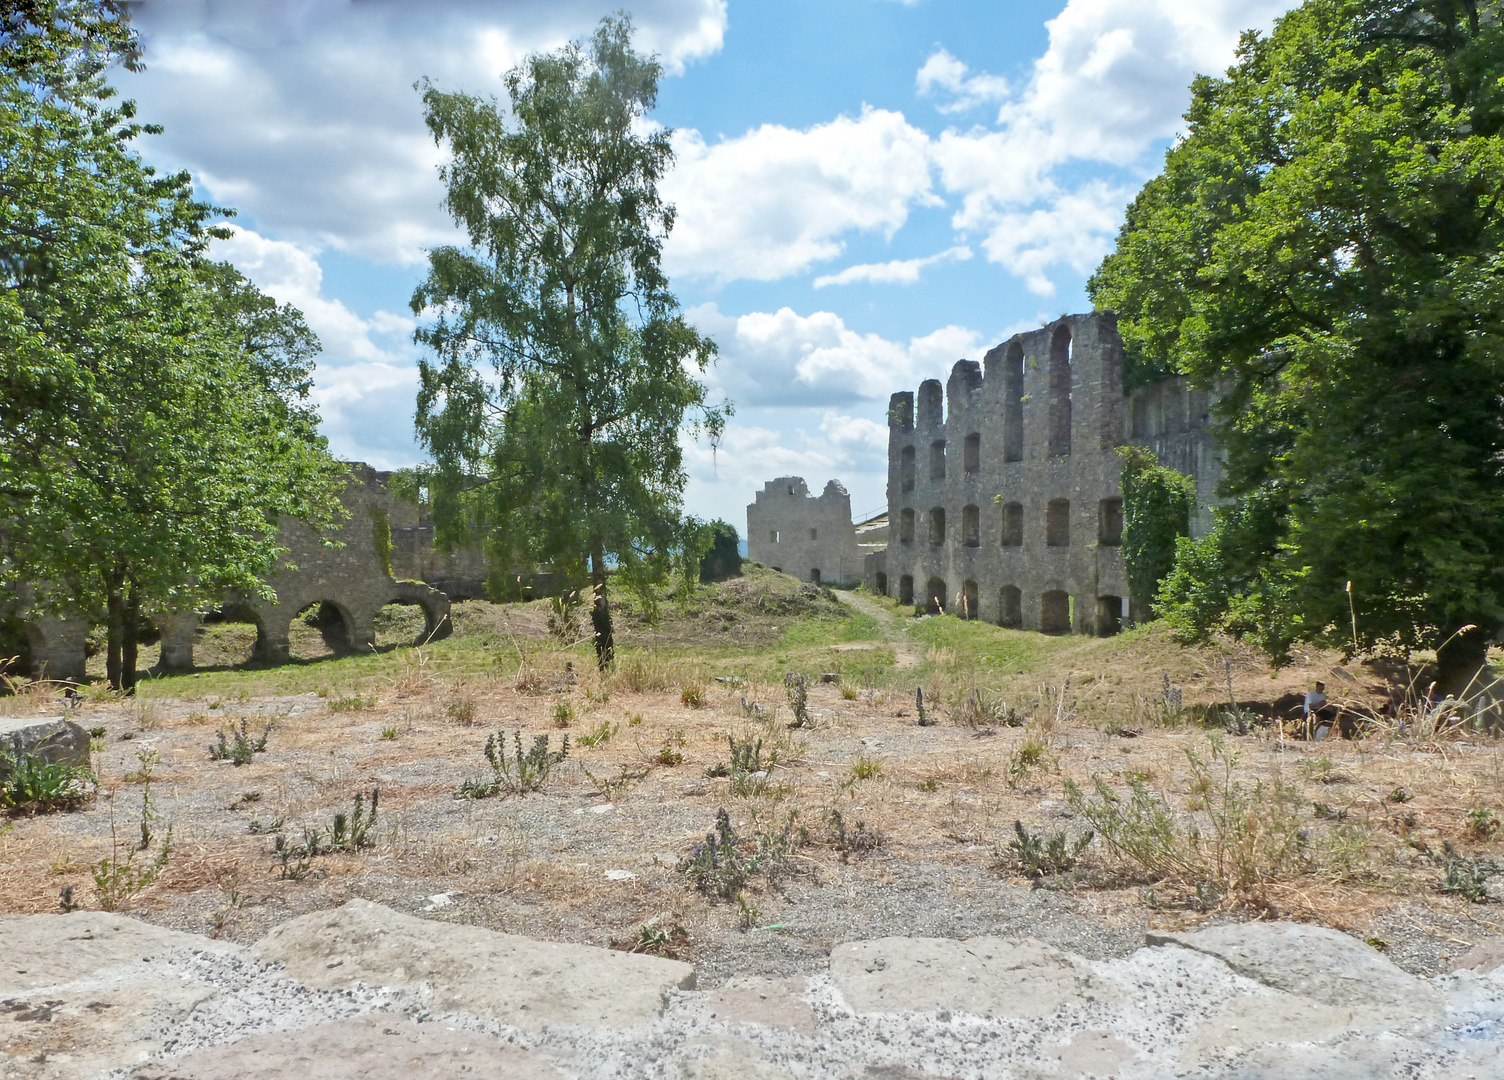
(1022, 719)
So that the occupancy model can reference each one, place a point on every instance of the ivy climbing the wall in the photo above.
(381, 528)
(1157, 504)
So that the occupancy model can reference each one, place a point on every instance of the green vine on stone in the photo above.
(1157, 504)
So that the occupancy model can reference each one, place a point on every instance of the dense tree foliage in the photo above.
(1326, 247)
(563, 366)
(1157, 504)
(153, 414)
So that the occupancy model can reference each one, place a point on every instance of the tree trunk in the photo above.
(1459, 660)
(114, 603)
(130, 639)
(600, 613)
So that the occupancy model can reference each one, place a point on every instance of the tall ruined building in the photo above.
(1004, 500)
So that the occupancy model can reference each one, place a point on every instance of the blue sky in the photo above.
(868, 190)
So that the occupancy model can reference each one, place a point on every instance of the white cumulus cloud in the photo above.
(302, 113)
(1111, 86)
(776, 200)
(942, 73)
(782, 358)
(897, 272)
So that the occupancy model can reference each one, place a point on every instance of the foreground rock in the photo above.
(465, 969)
(50, 738)
(364, 991)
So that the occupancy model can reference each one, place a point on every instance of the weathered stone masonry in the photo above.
(1004, 499)
(811, 538)
(348, 581)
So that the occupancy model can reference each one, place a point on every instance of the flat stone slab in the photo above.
(52, 738)
(1325, 965)
(372, 1047)
(365, 992)
(985, 976)
(513, 979)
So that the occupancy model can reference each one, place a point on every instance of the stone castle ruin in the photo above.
(1003, 486)
(811, 538)
(384, 555)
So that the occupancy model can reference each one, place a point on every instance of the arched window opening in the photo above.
(971, 454)
(1010, 608)
(1060, 392)
(1110, 522)
(882, 584)
(1057, 523)
(906, 527)
(1013, 524)
(937, 460)
(906, 590)
(906, 468)
(969, 600)
(971, 526)
(1055, 613)
(937, 525)
(934, 599)
(1109, 615)
(1013, 404)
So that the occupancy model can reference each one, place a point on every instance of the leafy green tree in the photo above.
(567, 449)
(1157, 504)
(724, 558)
(1324, 248)
(153, 415)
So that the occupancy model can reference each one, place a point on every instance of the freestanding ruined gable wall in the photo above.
(1003, 487)
(811, 538)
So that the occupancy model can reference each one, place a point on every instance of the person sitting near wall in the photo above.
(1317, 720)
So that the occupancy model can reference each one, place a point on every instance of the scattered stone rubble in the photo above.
(364, 991)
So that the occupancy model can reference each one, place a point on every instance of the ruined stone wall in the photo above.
(342, 572)
(811, 538)
(1004, 499)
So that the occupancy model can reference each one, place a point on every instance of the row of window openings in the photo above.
(1057, 524)
(1057, 608)
(776, 535)
(1013, 420)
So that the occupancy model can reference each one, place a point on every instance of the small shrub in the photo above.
(563, 714)
(866, 768)
(1042, 856)
(389, 731)
(351, 703)
(850, 840)
(1032, 755)
(1467, 877)
(613, 788)
(930, 784)
(635, 720)
(29, 783)
(601, 734)
(516, 774)
(1481, 823)
(236, 745)
(925, 719)
(120, 876)
(798, 694)
(693, 695)
(660, 941)
(461, 711)
(848, 693)
(353, 832)
(981, 709)
(746, 758)
(725, 862)
(668, 755)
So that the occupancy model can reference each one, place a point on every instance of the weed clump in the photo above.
(29, 783)
(693, 695)
(849, 840)
(1045, 856)
(517, 773)
(599, 735)
(1235, 839)
(798, 694)
(236, 745)
(724, 863)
